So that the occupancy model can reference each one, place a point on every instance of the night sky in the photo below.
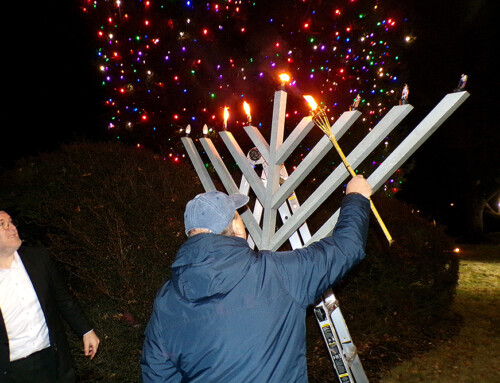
(54, 91)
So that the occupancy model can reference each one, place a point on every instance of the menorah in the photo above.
(273, 194)
(275, 189)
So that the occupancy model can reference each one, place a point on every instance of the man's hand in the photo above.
(90, 344)
(359, 185)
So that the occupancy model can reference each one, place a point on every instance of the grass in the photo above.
(473, 355)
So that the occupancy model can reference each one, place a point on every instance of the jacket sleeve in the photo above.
(156, 366)
(308, 272)
(68, 307)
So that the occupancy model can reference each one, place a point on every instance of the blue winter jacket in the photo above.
(231, 314)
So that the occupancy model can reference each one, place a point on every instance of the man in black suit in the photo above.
(33, 298)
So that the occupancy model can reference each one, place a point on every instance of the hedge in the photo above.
(112, 216)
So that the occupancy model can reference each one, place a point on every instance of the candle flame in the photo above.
(205, 129)
(226, 115)
(284, 77)
(246, 107)
(311, 102)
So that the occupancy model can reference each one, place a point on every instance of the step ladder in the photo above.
(342, 350)
(343, 353)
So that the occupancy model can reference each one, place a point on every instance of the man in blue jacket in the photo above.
(231, 314)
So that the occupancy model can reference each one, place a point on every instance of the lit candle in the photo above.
(226, 116)
(284, 79)
(246, 107)
(205, 130)
(311, 102)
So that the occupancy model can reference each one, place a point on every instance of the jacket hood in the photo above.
(207, 265)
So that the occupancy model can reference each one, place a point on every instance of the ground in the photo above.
(473, 354)
(462, 348)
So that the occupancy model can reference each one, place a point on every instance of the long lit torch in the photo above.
(321, 120)
(246, 107)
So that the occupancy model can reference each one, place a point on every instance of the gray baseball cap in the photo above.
(212, 210)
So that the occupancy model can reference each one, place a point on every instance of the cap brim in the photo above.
(239, 200)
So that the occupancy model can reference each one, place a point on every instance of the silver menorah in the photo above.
(274, 191)
(273, 196)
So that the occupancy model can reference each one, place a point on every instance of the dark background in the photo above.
(53, 92)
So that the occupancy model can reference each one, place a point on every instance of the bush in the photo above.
(411, 281)
(113, 217)
(398, 299)
(111, 214)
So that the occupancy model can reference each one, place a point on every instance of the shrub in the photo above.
(113, 217)
(414, 279)
(111, 214)
(399, 298)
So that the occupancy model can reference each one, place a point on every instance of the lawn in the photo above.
(473, 355)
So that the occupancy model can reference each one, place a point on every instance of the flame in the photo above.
(284, 77)
(311, 102)
(246, 107)
(205, 129)
(226, 115)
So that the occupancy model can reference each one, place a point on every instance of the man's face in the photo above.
(9, 238)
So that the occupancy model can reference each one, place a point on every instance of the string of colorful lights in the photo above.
(166, 64)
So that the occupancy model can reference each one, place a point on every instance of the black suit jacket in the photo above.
(56, 302)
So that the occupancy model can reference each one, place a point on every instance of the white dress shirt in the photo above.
(21, 311)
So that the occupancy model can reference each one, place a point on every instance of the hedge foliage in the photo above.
(111, 214)
(113, 217)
